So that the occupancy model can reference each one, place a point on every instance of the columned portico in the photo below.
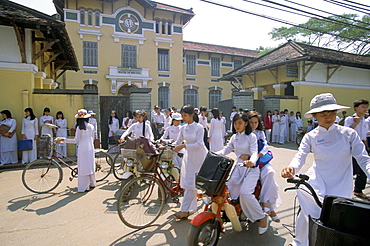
(257, 92)
(279, 89)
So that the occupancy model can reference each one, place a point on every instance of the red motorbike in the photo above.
(219, 209)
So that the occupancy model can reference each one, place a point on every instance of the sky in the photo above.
(218, 25)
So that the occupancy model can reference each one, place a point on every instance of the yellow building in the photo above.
(292, 74)
(133, 52)
(35, 51)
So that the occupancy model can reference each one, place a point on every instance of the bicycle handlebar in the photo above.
(301, 180)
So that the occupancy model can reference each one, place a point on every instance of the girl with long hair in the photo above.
(215, 133)
(85, 135)
(269, 197)
(30, 130)
(244, 178)
(195, 153)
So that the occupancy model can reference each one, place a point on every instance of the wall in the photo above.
(9, 45)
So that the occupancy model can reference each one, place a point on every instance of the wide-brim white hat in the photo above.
(82, 113)
(177, 118)
(91, 112)
(324, 102)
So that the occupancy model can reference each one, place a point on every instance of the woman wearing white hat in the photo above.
(84, 137)
(331, 173)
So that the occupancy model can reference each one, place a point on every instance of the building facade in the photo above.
(292, 74)
(134, 52)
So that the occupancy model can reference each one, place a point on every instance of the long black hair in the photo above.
(129, 114)
(216, 113)
(110, 117)
(46, 110)
(32, 115)
(7, 113)
(188, 109)
(59, 112)
(81, 123)
(248, 129)
(142, 113)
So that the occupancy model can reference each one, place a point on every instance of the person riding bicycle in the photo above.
(331, 173)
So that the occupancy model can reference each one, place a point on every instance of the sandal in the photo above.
(182, 215)
(266, 210)
(361, 195)
(276, 219)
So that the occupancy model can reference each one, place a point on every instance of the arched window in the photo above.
(97, 18)
(191, 97)
(164, 97)
(82, 17)
(89, 18)
(214, 98)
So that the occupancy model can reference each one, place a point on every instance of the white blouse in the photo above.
(137, 131)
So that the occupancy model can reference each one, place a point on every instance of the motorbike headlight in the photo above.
(164, 165)
(206, 199)
(129, 163)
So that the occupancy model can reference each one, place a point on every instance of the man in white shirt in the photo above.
(357, 122)
(158, 123)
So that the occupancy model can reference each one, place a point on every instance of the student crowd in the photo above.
(193, 135)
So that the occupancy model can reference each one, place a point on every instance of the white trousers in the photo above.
(270, 189)
(62, 149)
(293, 133)
(309, 207)
(84, 182)
(9, 157)
(244, 190)
(189, 202)
(282, 136)
(268, 135)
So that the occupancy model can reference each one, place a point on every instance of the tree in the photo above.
(345, 32)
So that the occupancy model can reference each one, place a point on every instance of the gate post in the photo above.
(91, 101)
(140, 98)
(243, 99)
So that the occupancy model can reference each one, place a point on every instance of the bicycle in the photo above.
(299, 137)
(320, 233)
(142, 200)
(44, 175)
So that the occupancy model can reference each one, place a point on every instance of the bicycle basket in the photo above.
(325, 236)
(147, 161)
(128, 153)
(167, 155)
(44, 146)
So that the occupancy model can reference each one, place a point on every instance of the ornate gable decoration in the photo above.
(128, 22)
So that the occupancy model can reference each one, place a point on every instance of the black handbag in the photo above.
(213, 173)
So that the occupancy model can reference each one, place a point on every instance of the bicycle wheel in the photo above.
(41, 176)
(102, 165)
(141, 202)
(118, 166)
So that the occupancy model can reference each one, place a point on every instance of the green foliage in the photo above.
(352, 35)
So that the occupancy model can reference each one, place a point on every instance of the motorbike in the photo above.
(218, 209)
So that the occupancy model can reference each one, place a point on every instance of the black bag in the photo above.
(346, 215)
(213, 173)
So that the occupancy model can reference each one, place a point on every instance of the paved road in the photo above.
(65, 217)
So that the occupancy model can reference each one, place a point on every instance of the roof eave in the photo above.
(230, 76)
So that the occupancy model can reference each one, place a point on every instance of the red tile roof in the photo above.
(292, 52)
(187, 45)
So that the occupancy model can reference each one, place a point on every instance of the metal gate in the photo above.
(225, 106)
(259, 106)
(108, 103)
